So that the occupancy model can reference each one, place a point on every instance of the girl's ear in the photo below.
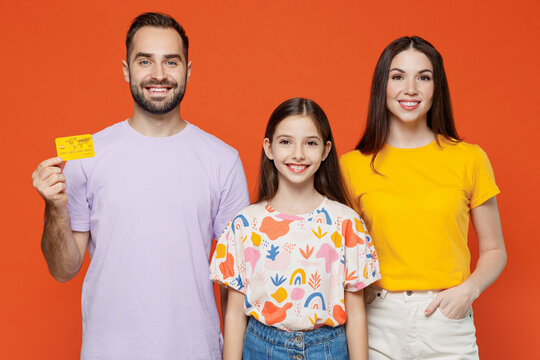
(267, 146)
(327, 148)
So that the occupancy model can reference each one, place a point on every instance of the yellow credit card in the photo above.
(75, 147)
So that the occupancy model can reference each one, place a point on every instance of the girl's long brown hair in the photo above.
(440, 118)
(328, 179)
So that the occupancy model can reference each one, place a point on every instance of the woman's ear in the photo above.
(267, 146)
(327, 148)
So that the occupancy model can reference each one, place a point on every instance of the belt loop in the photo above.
(383, 293)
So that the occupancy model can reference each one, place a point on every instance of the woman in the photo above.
(416, 184)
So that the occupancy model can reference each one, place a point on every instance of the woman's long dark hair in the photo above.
(439, 118)
(328, 180)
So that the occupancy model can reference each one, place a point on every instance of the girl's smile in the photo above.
(297, 168)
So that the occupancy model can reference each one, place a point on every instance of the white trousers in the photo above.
(399, 330)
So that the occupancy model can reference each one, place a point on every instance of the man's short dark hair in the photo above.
(156, 20)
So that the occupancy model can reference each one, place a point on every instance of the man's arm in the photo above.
(63, 249)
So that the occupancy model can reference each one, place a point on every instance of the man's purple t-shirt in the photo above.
(152, 206)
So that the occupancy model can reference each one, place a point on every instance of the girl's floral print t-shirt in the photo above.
(294, 269)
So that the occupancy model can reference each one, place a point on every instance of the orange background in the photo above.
(62, 76)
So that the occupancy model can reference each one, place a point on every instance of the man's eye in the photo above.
(171, 63)
(144, 62)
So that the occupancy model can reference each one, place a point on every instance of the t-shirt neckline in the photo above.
(419, 148)
(271, 211)
(153, 139)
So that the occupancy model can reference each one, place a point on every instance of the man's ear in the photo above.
(188, 71)
(267, 146)
(125, 69)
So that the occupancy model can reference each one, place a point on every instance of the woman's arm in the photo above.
(355, 327)
(235, 326)
(455, 301)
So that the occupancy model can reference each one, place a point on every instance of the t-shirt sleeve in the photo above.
(78, 207)
(233, 197)
(483, 180)
(227, 266)
(361, 263)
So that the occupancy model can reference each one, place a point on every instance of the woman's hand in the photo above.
(454, 303)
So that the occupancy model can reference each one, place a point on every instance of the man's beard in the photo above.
(157, 107)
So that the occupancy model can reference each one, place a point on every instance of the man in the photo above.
(147, 207)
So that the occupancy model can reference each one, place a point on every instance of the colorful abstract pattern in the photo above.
(294, 269)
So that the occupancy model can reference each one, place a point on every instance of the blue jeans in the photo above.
(266, 342)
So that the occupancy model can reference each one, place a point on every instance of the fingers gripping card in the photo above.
(75, 147)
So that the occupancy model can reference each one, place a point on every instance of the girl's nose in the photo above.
(298, 153)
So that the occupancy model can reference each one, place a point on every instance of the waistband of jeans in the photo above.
(293, 339)
(407, 295)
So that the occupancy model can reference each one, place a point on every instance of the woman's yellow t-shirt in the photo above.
(417, 211)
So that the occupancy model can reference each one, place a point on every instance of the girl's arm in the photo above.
(455, 302)
(223, 297)
(235, 326)
(355, 326)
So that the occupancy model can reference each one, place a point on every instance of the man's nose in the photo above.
(158, 72)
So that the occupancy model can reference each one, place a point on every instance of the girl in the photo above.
(417, 183)
(298, 257)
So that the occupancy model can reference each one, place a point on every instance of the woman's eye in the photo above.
(425, 77)
(397, 77)
(312, 143)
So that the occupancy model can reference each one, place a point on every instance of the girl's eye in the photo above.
(284, 141)
(312, 143)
